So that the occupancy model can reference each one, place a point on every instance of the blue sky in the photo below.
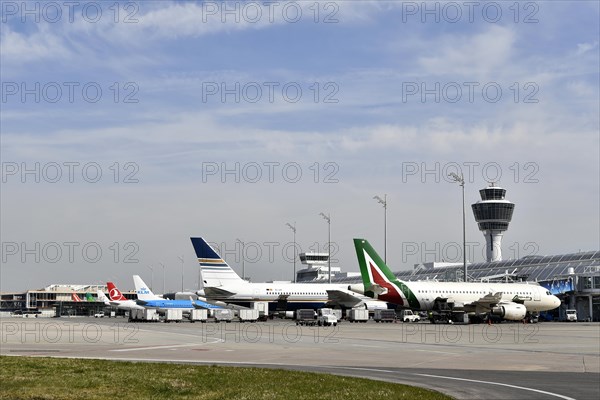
(365, 127)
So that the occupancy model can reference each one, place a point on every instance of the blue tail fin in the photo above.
(215, 271)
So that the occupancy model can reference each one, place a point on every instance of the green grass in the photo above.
(55, 378)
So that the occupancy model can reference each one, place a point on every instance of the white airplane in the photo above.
(511, 301)
(117, 299)
(223, 284)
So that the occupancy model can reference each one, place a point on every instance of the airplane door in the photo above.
(536, 295)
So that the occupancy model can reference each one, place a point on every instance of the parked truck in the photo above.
(358, 315)
(571, 316)
(384, 315)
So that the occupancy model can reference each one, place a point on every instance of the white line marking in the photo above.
(365, 369)
(366, 345)
(169, 346)
(437, 351)
(499, 384)
(157, 347)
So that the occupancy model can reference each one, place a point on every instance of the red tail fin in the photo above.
(74, 297)
(114, 293)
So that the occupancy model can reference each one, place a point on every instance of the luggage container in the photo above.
(223, 314)
(248, 315)
(198, 315)
(173, 315)
(358, 315)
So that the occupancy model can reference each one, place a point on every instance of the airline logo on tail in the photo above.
(215, 271)
(74, 297)
(114, 293)
(379, 282)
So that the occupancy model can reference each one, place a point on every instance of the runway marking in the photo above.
(366, 345)
(169, 346)
(500, 384)
(437, 351)
(363, 369)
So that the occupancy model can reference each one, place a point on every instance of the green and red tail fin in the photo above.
(378, 279)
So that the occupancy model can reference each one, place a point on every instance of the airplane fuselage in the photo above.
(421, 295)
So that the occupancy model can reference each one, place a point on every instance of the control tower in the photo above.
(493, 214)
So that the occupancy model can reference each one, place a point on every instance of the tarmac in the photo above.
(551, 360)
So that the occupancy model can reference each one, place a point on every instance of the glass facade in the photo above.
(541, 268)
(492, 193)
(493, 216)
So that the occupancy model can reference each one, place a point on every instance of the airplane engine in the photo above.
(512, 311)
(357, 288)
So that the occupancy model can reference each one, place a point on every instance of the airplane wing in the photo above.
(343, 298)
(217, 292)
(202, 305)
(486, 302)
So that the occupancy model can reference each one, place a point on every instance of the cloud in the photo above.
(478, 56)
(20, 48)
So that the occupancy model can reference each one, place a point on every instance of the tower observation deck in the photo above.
(493, 213)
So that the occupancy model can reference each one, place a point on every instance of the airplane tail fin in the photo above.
(102, 297)
(143, 293)
(214, 270)
(89, 297)
(114, 293)
(74, 297)
(378, 280)
(372, 268)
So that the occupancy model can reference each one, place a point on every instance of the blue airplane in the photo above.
(148, 299)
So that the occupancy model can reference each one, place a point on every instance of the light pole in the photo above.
(328, 219)
(163, 267)
(293, 228)
(384, 203)
(243, 259)
(151, 277)
(181, 258)
(461, 182)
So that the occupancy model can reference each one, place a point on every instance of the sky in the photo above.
(128, 127)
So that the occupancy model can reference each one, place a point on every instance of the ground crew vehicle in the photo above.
(409, 316)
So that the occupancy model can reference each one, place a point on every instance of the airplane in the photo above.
(147, 299)
(102, 297)
(117, 299)
(510, 301)
(75, 298)
(222, 283)
(89, 297)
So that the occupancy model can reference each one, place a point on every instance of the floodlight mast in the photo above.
(384, 203)
(461, 181)
(328, 219)
(293, 228)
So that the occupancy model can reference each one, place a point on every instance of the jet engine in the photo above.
(510, 311)
(357, 288)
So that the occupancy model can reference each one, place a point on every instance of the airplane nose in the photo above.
(556, 301)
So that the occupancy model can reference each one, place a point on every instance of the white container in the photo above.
(173, 314)
(248, 315)
(358, 315)
(198, 315)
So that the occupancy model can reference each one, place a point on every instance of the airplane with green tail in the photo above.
(510, 301)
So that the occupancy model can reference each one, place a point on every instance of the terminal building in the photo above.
(57, 300)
